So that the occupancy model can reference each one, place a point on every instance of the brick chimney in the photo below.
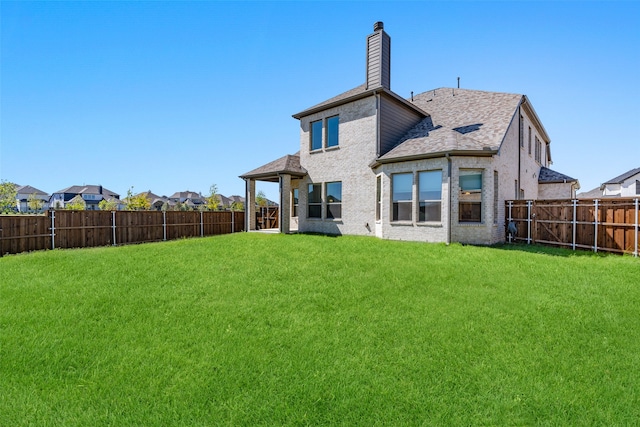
(378, 58)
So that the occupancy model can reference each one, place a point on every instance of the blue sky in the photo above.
(174, 96)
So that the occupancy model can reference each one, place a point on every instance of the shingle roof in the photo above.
(89, 189)
(289, 164)
(27, 189)
(460, 120)
(549, 176)
(620, 179)
(591, 194)
(354, 94)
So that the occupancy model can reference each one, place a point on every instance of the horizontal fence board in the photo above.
(609, 225)
(82, 229)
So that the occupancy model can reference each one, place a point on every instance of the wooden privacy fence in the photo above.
(267, 217)
(609, 225)
(82, 229)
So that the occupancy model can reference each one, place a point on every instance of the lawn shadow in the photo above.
(549, 250)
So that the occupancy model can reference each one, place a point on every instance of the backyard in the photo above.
(255, 329)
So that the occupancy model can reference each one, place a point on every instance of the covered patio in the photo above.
(286, 171)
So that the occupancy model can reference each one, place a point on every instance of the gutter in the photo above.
(449, 192)
(488, 152)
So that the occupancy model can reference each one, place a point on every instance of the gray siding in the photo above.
(395, 121)
(379, 60)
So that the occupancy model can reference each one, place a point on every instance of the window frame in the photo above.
(395, 204)
(333, 204)
(312, 135)
(467, 197)
(314, 204)
(328, 133)
(295, 202)
(422, 215)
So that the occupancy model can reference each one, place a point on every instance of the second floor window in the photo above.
(316, 135)
(327, 139)
(332, 131)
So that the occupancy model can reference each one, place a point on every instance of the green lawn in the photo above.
(252, 329)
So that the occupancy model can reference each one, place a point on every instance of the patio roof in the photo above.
(289, 164)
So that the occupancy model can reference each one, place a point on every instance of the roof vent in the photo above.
(378, 26)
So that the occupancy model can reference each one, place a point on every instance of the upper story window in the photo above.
(402, 184)
(332, 131)
(430, 195)
(470, 199)
(521, 133)
(330, 137)
(529, 140)
(637, 186)
(538, 150)
(316, 135)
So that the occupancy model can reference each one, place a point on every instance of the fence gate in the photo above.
(267, 217)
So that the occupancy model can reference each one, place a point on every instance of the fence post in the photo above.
(573, 237)
(201, 224)
(509, 219)
(635, 253)
(113, 226)
(528, 222)
(595, 222)
(164, 226)
(233, 217)
(53, 229)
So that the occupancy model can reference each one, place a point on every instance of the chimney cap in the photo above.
(378, 26)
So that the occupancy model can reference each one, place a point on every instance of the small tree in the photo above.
(261, 199)
(213, 200)
(237, 206)
(35, 204)
(138, 202)
(77, 204)
(8, 195)
(108, 205)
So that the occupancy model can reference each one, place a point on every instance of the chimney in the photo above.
(378, 58)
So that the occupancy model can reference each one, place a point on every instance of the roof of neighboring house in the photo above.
(354, 94)
(591, 194)
(460, 120)
(27, 189)
(622, 178)
(236, 198)
(89, 189)
(548, 176)
(289, 164)
(186, 195)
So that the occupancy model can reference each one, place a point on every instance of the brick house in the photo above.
(436, 167)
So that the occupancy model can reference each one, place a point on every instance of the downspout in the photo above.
(449, 193)
(520, 136)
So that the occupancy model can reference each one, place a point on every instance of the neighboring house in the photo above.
(554, 185)
(625, 185)
(91, 194)
(189, 198)
(157, 202)
(436, 167)
(26, 193)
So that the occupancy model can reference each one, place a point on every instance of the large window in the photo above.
(529, 140)
(538, 153)
(470, 199)
(315, 201)
(402, 184)
(430, 195)
(332, 131)
(334, 199)
(316, 135)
